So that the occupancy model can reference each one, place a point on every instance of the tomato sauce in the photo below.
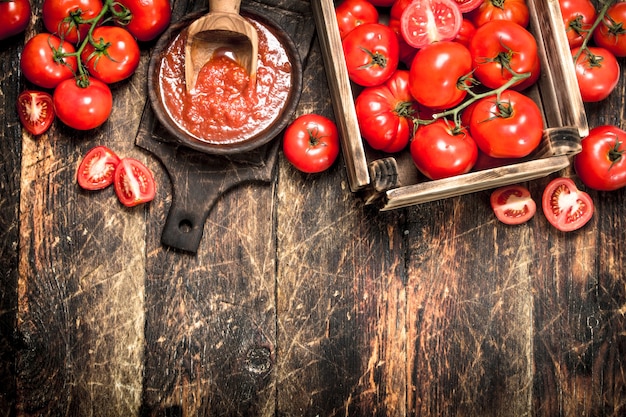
(224, 107)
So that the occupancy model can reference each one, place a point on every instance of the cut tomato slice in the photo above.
(96, 170)
(466, 6)
(513, 204)
(134, 183)
(565, 206)
(36, 111)
(426, 21)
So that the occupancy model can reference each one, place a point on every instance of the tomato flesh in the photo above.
(36, 111)
(565, 206)
(96, 169)
(426, 21)
(513, 204)
(134, 183)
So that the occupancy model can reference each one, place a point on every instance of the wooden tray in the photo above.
(392, 181)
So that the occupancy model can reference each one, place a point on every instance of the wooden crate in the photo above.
(392, 181)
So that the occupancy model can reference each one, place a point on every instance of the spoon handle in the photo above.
(224, 6)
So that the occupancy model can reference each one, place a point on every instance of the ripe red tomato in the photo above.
(352, 13)
(466, 33)
(438, 73)
(385, 113)
(311, 143)
(82, 108)
(611, 33)
(66, 18)
(440, 150)
(96, 169)
(115, 55)
(14, 17)
(512, 204)
(134, 182)
(601, 164)
(382, 3)
(43, 62)
(424, 22)
(502, 44)
(512, 10)
(36, 111)
(597, 72)
(578, 16)
(565, 206)
(372, 54)
(511, 127)
(148, 18)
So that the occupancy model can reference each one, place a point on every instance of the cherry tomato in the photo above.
(36, 111)
(134, 182)
(115, 55)
(311, 143)
(14, 17)
(372, 54)
(440, 150)
(565, 206)
(43, 62)
(578, 16)
(97, 168)
(439, 74)
(427, 21)
(82, 108)
(611, 33)
(601, 164)
(512, 204)
(352, 13)
(511, 127)
(512, 10)
(147, 18)
(385, 113)
(597, 72)
(66, 18)
(499, 45)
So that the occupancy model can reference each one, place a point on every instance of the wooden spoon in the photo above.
(221, 31)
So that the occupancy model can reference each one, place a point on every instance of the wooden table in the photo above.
(300, 300)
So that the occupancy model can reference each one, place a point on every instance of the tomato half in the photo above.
(146, 19)
(601, 164)
(134, 182)
(352, 13)
(82, 108)
(14, 17)
(311, 143)
(512, 10)
(611, 32)
(44, 61)
(440, 150)
(597, 72)
(565, 206)
(36, 111)
(513, 204)
(385, 113)
(427, 21)
(114, 56)
(97, 168)
(67, 18)
(578, 16)
(372, 53)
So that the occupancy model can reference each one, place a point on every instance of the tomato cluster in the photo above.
(88, 45)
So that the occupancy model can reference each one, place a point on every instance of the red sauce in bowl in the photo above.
(224, 107)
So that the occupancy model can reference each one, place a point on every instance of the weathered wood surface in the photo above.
(300, 301)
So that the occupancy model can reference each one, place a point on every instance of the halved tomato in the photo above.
(96, 170)
(134, 182)
(36, 111)
(512, 204)
(426, 21)
(565, 206)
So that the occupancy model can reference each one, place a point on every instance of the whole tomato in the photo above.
(578, 16)
(601, 164)
(441, 150)
(611, 33)
(466, 33)
(512, 10)
(372, 54)
(114, 55)
(565, 206)
(82, 104)
(311, 143)
(145, 19)
(597, 72)
(508, 127)
(501, 45)
(385, 113)
(66, 18)
(14, 17)
(382, 3)
(45, 61)
(352, 13)
(439, 74)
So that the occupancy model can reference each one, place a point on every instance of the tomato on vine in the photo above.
(601, 164)
(611, 32)
(83, 104)
(112, 56)
(68, 19)
(311, 143)
(597, 72)
(14, 17)
(511, 10)
(46, 60)
(146, 19)
(565, 206)
(352, 13)
(578, 17)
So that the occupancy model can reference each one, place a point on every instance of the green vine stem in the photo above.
(599, 18)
